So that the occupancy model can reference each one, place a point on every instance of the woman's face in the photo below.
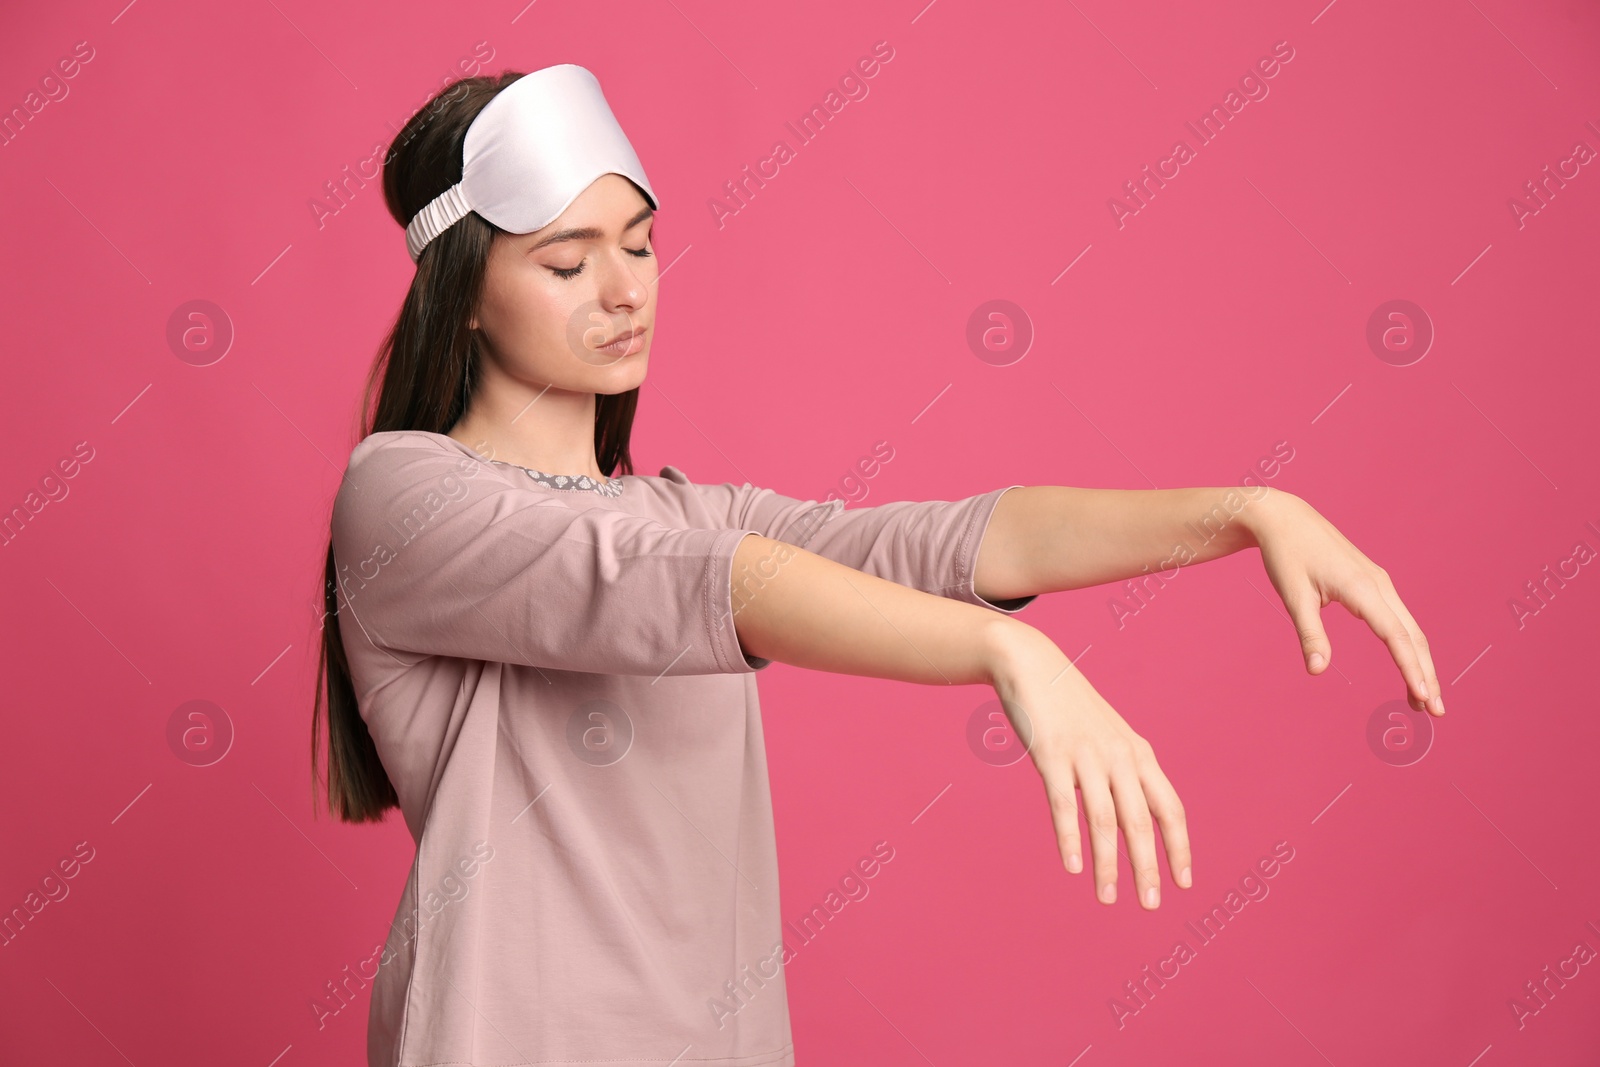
(553, 298)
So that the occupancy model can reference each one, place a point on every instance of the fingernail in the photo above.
(1150, 897)
(1108, 894)
(1183, 878)
(1316, 660)
(1074, 863)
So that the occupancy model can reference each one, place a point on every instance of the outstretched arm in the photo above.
(929, 545)
(1045, 538)
(792, 605)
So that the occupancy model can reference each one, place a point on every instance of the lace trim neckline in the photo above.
(569, 482)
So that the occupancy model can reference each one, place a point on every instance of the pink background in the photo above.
(827, 314)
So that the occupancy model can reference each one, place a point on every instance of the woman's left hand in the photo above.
(1311, 563)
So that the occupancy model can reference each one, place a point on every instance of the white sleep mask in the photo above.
(540, 142)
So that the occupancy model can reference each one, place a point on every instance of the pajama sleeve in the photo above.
(439, 555)
(931, 545)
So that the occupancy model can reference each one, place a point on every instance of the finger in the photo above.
(1169, 815)
(1138, 829)
(1100, 814)
(1419, 642)
(1365, 601)
(1064, 814)
(1305, 611)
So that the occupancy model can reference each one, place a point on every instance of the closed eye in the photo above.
(573, 272)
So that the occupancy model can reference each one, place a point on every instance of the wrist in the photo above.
(1262, 514)
(1013, 650)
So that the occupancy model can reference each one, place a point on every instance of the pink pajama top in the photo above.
(549, 670)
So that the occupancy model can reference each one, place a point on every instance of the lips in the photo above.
(624, 338)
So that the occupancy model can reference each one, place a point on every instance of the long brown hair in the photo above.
(422, 379)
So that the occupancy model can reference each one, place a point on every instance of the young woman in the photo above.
(549, 667)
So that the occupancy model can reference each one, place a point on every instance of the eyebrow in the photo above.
(590, 233)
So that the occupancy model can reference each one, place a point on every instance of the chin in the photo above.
(627, 374)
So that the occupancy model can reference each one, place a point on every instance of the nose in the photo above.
(623, 287)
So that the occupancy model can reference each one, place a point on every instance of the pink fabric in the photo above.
(567, 906)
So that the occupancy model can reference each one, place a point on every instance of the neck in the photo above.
(545, 428)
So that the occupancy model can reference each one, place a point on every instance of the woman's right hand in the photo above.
(1079, 743)
(801, 608)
